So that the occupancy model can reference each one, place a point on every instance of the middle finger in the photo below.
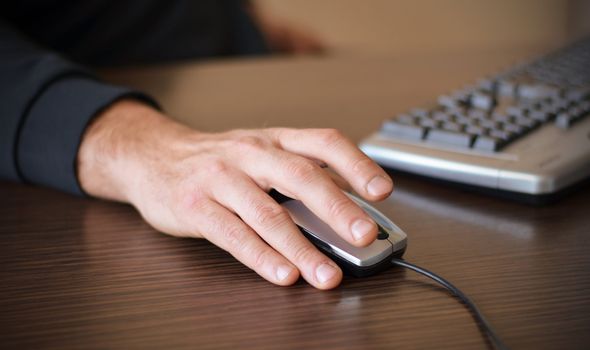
(302, 178)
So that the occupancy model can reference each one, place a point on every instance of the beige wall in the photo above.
(425, 26)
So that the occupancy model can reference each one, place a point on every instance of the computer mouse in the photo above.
(391, 241)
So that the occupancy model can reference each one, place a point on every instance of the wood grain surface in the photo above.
(88, 274)
(81, 273)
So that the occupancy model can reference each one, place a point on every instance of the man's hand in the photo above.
(191, 184)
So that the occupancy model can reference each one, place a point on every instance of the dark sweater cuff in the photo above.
(50, 138)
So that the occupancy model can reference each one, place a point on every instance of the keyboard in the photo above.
(524, 131)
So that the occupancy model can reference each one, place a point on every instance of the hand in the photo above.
(192, 184)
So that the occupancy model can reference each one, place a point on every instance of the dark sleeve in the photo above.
(45, 104)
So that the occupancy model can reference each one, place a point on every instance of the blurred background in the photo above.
(381, 53)
(434, 26)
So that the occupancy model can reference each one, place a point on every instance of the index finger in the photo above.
(330, 146)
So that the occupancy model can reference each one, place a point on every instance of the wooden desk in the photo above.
(82, 273)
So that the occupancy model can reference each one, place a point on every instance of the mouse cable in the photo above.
(483, 323)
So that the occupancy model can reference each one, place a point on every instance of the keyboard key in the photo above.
(406, 118)
(527, 123)
(557, 107)
(489, 123)
(460, 118)
(420, 112)
(562, 103)
(513, 128)
(487, 84)
(475, 130)
(564, 120)
(457, 99)
(448, 101)
(500, 117)
(488, 143)
(483, 100)
(452, 126)
(507, 88)
(449, 137)
(464, 121)
(576, 112)
(536, 91)
(503, 135)
(477, 114)
(517, 111)
(441, 116)
(541, 116)
(578, 94)
(394, 128)
(429, 123)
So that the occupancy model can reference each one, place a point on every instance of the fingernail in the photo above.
(283, 271)
(378, 186)
(325, 272)
(360, 228)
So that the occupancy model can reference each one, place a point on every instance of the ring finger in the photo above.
(263, 214)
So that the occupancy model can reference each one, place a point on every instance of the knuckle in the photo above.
(192, 199)
(249, 143)
(276, 132)
(216, 166)
(270, 216)
(337, 207)
(302, 170)
(260, 258)
(303, 253)
(331, 137)
(360, 165)
(234, 236)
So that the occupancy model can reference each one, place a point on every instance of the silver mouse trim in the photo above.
(360, 256)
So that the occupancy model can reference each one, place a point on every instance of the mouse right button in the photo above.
(382, 234)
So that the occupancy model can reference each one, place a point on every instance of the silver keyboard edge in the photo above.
(383, 151)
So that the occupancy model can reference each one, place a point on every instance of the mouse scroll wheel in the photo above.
(381, 233)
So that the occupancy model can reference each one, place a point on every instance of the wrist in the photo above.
(117, 147)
